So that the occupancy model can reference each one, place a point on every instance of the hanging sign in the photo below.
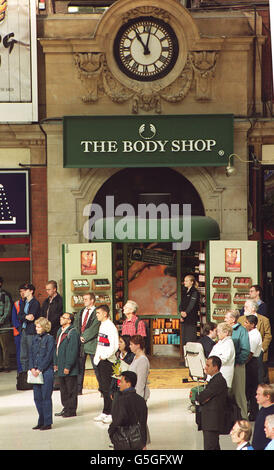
(147, 141)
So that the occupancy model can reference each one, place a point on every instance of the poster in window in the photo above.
(152, 279)
(89, 262)
(14, 202)
(233, 260)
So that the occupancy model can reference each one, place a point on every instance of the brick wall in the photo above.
(39, 230)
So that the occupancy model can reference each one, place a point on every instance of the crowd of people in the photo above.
(52, 347)
(237, 350)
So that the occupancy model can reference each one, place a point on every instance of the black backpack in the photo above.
(147, 338)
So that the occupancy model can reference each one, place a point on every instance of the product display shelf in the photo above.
(119, 282)
(242, 283)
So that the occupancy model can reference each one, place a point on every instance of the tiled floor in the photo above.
(171, 424)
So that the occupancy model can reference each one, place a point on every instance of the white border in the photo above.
(25, 112)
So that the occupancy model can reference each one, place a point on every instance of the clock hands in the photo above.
(145, 46)
(147, 51)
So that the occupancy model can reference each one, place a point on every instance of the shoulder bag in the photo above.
(128, 437)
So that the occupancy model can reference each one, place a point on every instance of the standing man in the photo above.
(66, 364)
(242, 350)
(265, 399)
(52, 307)
(5, 324)
(132, 325)
(87, 326)
(212, 401)
(269, 431)
(255, 293)
(128, 408)
(252, 365)
(16, 326)
(29, 312)
(107, 345)
(208, 337)
(263, 325)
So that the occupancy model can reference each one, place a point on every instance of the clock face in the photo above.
(146, 48)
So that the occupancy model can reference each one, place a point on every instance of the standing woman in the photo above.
(140, 365)
(189, 308)
(41, 360)
(124, 359)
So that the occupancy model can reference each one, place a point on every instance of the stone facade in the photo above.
(77, 75)
(82, 78)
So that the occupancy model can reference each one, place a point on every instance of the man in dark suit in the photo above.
(212, 401)
(87, 326)
(128, 408)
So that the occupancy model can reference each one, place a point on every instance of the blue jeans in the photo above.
(25, 346)
(42, 398)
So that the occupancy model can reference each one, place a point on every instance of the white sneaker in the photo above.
(101, 417)
(107, 419)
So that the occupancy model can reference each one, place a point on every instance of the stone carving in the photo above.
(146, 10)
(89, 66)
(97, 79)
(204, 64)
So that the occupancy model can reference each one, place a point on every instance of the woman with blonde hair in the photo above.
(225, 350)
(189, 308)
(41, 361)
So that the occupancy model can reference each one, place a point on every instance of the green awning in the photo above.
(139, 230)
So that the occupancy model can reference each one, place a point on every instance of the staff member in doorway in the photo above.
(189, 308)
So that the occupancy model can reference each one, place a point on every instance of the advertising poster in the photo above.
(18, 60)
(14, 203)
(233, 260)
(89, 262)
(152, 281)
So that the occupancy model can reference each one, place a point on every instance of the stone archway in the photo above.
(93, 179)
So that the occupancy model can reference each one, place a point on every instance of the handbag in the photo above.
(31, 379)
(128, 437)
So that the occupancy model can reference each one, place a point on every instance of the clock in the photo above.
(146, 48)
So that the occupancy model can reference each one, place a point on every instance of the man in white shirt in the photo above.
(105, 357)
(252, 365)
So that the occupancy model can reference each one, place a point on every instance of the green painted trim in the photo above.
(207, 257)
(202, 228)
(64, 278)
(259, 262)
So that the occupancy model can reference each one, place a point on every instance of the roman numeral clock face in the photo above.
(146, 49)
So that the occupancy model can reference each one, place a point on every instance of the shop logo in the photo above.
(3, 8)
(159, 223)
(143, 131)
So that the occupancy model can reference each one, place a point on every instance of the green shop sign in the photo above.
(147, 141)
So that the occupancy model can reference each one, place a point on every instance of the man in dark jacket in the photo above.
(128, 408)
(52, 307)
(212, 402)
(29, 312)
(5, 310)
(66, 364)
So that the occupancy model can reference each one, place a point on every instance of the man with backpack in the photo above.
(5, 324)
(133, 325)
(66, 364)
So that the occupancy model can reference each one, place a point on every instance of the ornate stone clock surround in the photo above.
(100, 74)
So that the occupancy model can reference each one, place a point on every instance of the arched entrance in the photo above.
(135, 185)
